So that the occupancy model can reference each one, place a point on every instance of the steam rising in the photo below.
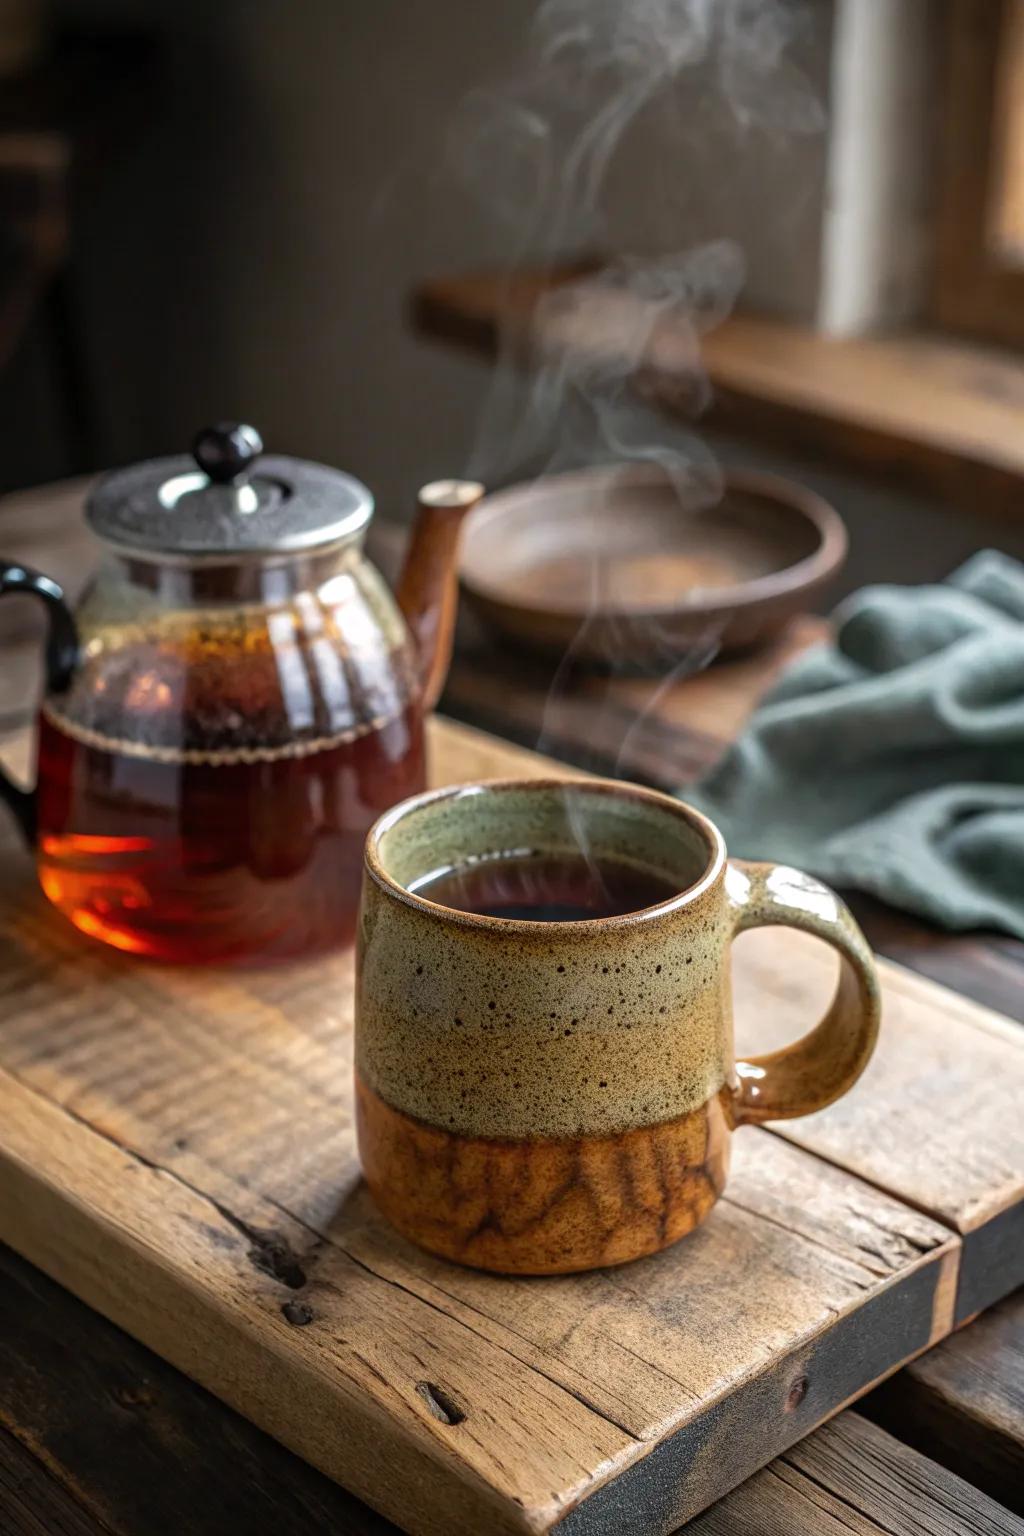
(613, 91)
(538, 150)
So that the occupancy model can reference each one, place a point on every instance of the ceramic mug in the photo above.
(542, 1097)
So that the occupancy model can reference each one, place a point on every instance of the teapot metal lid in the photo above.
(227, 501)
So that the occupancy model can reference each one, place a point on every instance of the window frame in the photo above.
(977, 283)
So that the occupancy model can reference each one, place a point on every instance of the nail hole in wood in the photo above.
(796, 1393)
(440, 1403)
(298, 1313)
(272, 1254)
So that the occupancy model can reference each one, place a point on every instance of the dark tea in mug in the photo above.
(547, 888)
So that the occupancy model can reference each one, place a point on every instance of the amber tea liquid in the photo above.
(193, 856)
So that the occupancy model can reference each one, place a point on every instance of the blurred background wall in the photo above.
(289, 177)
(278, 177)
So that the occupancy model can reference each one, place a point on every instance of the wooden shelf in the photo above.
(927, 412)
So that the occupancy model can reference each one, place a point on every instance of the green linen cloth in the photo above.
(892, 760)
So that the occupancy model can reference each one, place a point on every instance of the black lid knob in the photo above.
(226, 452)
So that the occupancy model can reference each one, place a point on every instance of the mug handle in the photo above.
(822, 1065)
(61, 660)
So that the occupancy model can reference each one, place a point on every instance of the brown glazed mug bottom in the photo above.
(548, 1205)
(541, 1098)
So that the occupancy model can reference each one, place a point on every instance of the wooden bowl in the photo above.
(613, 563)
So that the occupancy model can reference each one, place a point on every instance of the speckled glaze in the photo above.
(544, 1097)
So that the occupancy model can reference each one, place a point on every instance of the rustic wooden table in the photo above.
(97, 1434)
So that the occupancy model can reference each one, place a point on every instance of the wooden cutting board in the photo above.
(177, 1148)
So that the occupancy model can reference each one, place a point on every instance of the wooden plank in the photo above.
(914, 389)
(859, 1285)
(178, 1150)
(963, 1403)
(903, 1123)
(851, 1477)
(589, 725)
(206, 1285)
(33, 1503)
(987, 967)
(122, 1435)
(921, 410)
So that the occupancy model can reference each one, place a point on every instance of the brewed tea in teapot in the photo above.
(235, 701)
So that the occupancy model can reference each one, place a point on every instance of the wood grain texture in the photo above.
(851, 1477)
(96, 1422)
(114, 1431)
(178, 1150)
(927, 1082)
(963, 1403)
(208, 1290)
(206, 1283)
(33, 1503)
(986, 967)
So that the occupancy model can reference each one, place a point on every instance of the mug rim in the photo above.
(562, 927)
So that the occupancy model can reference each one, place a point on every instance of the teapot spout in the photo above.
(428, 587)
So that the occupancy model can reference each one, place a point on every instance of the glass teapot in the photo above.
(236, 699)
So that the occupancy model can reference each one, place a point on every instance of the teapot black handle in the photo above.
(61, 660)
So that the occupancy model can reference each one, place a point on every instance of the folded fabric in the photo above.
(892, 760)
